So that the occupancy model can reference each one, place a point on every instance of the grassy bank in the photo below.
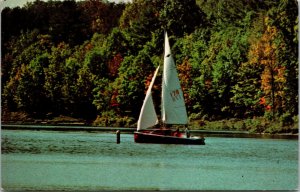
(286, 125)
(255, 125)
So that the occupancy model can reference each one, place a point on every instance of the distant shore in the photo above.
(257, 127)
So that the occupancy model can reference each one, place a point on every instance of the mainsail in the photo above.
(148, 117)
(173, 106)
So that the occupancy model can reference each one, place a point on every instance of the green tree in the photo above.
(129, 85)
(26, 58)
(224, 56)
(246, 92)
(103, 96)
(179, 17)
(54, 76)
(64, 22)
(99, 16)
(26, 88)
(68, 89)
(284, 16)
(95, 60)
(138, 21)
(85, 84)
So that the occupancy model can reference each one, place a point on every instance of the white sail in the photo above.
(173, 106)
(148, 117)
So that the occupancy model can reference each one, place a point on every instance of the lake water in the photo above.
(53, 160)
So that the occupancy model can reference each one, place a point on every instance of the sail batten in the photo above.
(173, 106)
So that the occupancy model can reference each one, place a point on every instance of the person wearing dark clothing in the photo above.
(187, 132)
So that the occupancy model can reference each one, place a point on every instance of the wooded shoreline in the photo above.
(223, 128)
(258, 125)
(237, 64)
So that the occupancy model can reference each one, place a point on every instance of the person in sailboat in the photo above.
(177, 133)
(187, 132)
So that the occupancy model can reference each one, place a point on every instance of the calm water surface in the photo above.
(48, 160)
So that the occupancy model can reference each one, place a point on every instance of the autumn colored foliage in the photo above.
(95, 59)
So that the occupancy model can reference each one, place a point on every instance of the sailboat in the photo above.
(173, 109)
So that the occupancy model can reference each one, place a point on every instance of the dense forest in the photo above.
(94, 59)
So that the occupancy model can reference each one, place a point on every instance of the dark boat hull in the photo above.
(147, 137)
